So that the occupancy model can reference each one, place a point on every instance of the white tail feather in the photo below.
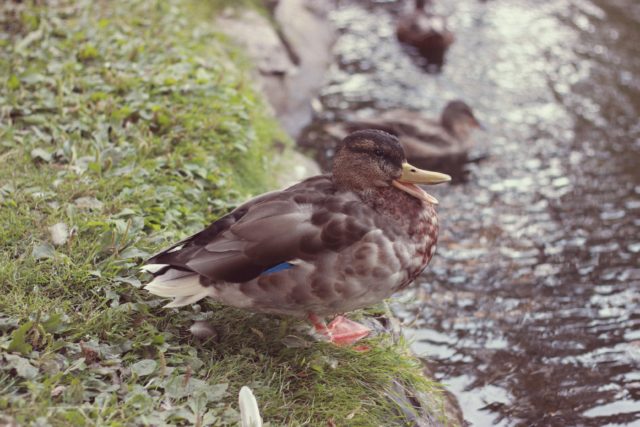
(182, 287)
(249, 411)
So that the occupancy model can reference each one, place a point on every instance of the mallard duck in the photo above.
(427, 32)
(330, 244)
(439, 144)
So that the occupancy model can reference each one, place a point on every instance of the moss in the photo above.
(133, 124)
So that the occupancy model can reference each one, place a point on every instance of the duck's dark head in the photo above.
(370, 159)
(458, 119)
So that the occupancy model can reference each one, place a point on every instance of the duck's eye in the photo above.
(378, 153)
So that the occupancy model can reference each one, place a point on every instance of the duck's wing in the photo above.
(298, 223)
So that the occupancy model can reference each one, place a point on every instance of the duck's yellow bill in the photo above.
(411, 175)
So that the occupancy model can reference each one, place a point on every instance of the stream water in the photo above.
(530, 311)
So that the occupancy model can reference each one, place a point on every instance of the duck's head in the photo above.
(370, 159)
(458, 119)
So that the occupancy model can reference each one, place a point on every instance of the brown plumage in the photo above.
(330, 244)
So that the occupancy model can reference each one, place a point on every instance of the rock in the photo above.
(260, 40)
(309, 37)
(292, 167)
(291, 62)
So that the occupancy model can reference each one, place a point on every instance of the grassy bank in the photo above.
(125, 125)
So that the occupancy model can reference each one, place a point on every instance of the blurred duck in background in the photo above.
(442, 144)
(427, 32)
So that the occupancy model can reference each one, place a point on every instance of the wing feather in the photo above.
(298, 223)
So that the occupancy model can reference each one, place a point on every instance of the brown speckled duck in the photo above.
(442, 143)
(327, 245)
(427, 32)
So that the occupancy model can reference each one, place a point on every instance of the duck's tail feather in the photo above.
(182, 285)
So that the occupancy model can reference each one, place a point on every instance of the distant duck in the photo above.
(327, 245)
(427, 32)
(442, 144)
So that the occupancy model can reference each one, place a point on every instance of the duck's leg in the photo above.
(346, 332)
(319, 325)
(341, 331)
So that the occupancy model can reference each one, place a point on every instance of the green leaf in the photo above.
(216, 392)
(22, 366)
(176, 388)
(133, 252)
(74, 417)
(13, 83)
(87, 53)
(75, 393)
(54, 324)
(88, 203)
(18, 339)
(144, 367)
(133, 281)
(38, 154)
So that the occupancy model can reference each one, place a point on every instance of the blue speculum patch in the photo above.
(278, 267)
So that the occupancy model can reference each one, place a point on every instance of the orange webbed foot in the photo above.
(341, 331)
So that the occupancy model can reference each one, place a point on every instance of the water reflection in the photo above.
(530, 308)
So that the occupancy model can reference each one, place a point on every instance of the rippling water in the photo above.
(531, 309)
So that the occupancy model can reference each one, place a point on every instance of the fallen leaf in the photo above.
(55, 323)
(38, 154)
(43, 251)
(183, 386)
(133, 281)
(57, 390)
(133, 252)
(22, 366)
(88, 203)
(144, 367)
(89, 352)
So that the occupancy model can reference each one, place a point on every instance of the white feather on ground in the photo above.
(59, 233)
(249, 411)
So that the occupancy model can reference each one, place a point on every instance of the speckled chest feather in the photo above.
(416, 220)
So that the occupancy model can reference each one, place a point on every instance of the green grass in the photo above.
(133, 124)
